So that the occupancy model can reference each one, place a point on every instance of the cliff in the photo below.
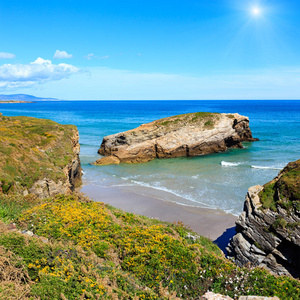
(38, 156)
(183, 135)
(268, 230)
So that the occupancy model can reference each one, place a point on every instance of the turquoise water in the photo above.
(215, 181)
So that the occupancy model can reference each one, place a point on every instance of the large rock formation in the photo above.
(38, 156)
(268, 230)
(184, 135)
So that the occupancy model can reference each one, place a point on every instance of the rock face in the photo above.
(184, 135)
(268, 230)
(45, 187)
(38, 156)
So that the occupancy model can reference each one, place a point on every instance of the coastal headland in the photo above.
(38, 156)
(14, 101)
(183, 135)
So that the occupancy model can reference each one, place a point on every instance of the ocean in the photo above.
(218, 181)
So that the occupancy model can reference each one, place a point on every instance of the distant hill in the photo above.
(24, 97)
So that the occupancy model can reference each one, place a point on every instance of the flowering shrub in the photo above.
(161, 256)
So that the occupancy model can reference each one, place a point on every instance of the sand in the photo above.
(214, 224)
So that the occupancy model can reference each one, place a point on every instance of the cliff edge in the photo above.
(38, 156)
(183, 135)
(268, 230)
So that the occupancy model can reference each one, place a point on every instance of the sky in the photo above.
(150, 50)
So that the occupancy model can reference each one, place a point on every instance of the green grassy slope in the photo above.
(284, 191)
(32, 149)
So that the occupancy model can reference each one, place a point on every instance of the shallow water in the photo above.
(215, 181)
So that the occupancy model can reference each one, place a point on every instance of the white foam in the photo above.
(122, 184)
(229, 164)
(266, 168)
(186, 197)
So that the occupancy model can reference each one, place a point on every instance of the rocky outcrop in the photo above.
(46, 187)
(38, 156)
(268, 230)
(184, 135)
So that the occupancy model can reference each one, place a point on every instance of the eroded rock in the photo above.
(268, 230)
(184, 135)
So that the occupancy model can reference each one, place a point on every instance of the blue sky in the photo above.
(219, 49)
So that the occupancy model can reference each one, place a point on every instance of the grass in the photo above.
(205, 119)
(32, 149)
(284, 192)
(99, 252)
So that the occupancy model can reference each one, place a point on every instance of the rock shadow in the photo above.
(223, 240)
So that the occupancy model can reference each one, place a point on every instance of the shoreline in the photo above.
(211, 223)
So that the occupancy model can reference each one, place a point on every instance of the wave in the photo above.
(164, 189)
(267, 168)
(122, 184)
(229, 164)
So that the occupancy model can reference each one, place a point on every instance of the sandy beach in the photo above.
(214, 224)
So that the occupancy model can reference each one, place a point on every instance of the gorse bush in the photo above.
(127, 256)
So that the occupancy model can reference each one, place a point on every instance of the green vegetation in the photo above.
(267, 197)
(98, 252)
(279, 223)
(284, 192)
(230, 116)
(32, 149)
(206, 119)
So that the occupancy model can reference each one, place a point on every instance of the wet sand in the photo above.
(214, 224)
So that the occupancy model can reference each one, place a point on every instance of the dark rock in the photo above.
(268, 230)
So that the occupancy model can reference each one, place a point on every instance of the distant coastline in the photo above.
(23, 98)
(15, 101)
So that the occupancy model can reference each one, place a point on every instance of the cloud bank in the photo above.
(61, 54)
(6, 55)
(39, 71)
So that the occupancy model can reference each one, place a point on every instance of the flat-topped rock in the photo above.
(183, 135)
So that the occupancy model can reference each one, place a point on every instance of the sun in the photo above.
(256, 11)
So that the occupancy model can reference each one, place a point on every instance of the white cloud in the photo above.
(93, 56)
(6, 55)
(62, 54)
(90, 56)
(39, 71)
